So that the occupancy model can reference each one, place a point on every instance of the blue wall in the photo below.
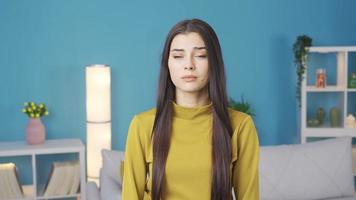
(45, 45)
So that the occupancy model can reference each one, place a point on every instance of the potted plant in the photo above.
(35, 130)
(300, 59)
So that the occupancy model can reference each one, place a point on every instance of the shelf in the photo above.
(50, 151)
(326, 89)
(50, 146)
(330, 49)
(337, 62)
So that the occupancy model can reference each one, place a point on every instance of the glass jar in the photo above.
(320, 78)
(352, 80)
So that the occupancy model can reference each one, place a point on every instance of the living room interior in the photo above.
(75, 73)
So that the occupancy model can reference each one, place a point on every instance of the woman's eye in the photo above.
(201, 56)
(177, 56)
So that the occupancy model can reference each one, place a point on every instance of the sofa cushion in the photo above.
(112, 164)
(343, 198)
(315, 170)
(92, 191)
(109, 188)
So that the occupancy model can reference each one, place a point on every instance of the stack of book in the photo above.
(10, 187)
(64, 179)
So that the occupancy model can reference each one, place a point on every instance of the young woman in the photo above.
(191, 146)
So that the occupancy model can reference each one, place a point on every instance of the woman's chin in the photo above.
(190, 89)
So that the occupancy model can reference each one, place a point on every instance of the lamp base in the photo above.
(95, 180)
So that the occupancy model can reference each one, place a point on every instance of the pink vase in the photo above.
(35, 131)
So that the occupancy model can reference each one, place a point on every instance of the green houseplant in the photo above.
(34, 110)
(300, 60)
(242, 106)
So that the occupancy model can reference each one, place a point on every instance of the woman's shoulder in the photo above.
(145, 118)
(244, 131)
(237, 118)
(240, 122)
(142, 124)
(147, 114)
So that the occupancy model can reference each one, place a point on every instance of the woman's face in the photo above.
(188, 63)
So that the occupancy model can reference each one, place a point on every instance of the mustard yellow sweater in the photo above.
(189, 162)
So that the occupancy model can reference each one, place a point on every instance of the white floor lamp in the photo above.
(98, 107)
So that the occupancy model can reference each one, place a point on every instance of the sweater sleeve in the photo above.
(134, 167)
(245, 169)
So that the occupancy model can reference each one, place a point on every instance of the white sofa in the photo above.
(110, 180)
(316, 170)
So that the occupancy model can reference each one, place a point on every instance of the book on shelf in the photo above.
(64, 179)
(354, 159)
(10, 187)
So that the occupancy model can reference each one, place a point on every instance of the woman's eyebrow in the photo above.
(195, 48)
(199, 48)
(177, 50)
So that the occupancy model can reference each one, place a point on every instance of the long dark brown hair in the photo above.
(221, 126)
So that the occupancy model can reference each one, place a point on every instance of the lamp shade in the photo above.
(98, 93)
(98, 107)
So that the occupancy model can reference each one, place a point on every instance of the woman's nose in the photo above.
(189, 68)
(189, 65)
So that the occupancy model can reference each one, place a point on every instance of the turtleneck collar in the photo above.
(191, 113)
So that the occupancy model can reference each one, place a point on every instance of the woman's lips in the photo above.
(189, 78)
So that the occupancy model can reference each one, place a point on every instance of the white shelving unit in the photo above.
(340, 90)
(49, 148)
